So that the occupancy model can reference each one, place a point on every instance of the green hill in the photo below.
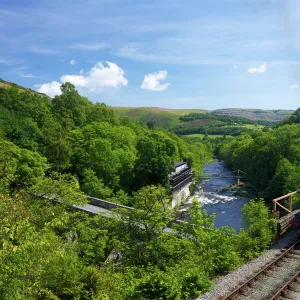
(6, 84)
(170, 118)
(227, 121)
(293, 119)
(160, 116)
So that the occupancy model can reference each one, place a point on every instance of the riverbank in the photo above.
(219, 196)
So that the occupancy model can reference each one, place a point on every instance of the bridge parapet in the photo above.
(106, 204)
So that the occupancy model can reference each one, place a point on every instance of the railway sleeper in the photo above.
(286, 262)
(291, 294)
(275, 281)
(276, 269)
(294, 256)
(296, 250)
(295, 287)
(253, 296)
(278, 273)
(262, 290)
(279, 278)
(251, 293)
(283, 261)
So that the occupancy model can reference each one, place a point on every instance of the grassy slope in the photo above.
(161, 116)
(169, 118)
(6, 84)
(201, 136)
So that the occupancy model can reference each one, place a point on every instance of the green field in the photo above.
(251, 126)
(201, 136)
(160, 116)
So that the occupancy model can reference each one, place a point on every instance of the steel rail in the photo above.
(286, 286)
(247, 282)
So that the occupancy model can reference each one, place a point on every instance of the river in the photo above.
(225, 205)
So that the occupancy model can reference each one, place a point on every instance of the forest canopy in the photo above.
(54, 152)
(74, 135)
(270, 159)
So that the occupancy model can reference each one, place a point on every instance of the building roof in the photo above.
(179, 163)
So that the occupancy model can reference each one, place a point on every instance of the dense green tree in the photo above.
(293, 119)
(94, 186)
(266, 158)
(107, 150)
(160, 261)
(102, 113)
(76, 135)
(260, 232)
(156, 155)
(70, 108)
(19, 168)
(51, 251)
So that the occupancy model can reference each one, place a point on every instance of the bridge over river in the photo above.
(105, 209)
(236, 174)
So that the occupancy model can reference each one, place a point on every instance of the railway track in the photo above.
(280, 279)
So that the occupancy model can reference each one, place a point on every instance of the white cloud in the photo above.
(260, 69)
(72, 62)
(98, 78)
(51, 88)
(152, 81)
(29, 76)
(90, 46)
(40, 50)
(294, 86)
(10, 62)
(81, 71)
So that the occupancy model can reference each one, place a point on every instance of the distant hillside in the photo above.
(228, 121)
(160, 116)
(293, 119)
(7, 84)
(255, 114)
(170, 117)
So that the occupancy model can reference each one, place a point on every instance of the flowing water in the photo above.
(224, 204)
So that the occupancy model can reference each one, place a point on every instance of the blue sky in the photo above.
(167, 53)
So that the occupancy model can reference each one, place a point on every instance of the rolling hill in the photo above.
(175, 118)
(196, 121)
(164, 117)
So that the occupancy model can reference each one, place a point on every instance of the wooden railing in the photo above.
(283, 223)
(290, 196)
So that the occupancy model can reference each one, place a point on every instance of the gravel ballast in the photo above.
(227, 283)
